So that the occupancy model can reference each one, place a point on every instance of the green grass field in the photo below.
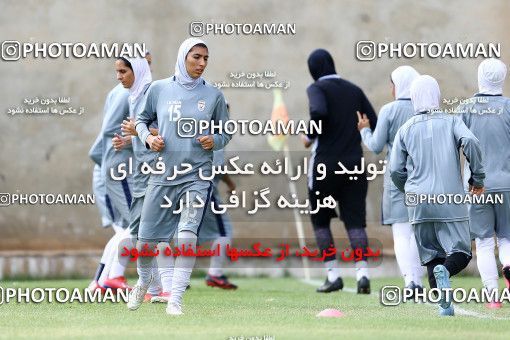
(283, 308)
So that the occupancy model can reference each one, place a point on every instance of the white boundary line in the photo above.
(458, 310)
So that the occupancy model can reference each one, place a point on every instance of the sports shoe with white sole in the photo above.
(94, 285)
(173, 309)
(117, 283)
(162, 297)
(137, 295)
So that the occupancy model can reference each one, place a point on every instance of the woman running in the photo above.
(184, 97)
(394, 212)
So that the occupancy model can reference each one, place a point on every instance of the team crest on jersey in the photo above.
(201, 105)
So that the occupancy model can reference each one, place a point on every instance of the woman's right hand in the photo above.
(156, 143)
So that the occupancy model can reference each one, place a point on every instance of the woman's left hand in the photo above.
(207, 142)
(128, 127)
(119, 142)
(363, 121)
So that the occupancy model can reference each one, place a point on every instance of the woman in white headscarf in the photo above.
(491, 77)
(425, 163)
(180, 104)
(487, 115)
(137, 81)
(391, 117)
(133, 75)
(141, 72)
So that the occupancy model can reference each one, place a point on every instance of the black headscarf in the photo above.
(320, 63)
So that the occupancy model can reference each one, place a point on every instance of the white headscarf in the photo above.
(143, 77)
(491, 76)
(402, 77)
(425, 94)
(181, 74)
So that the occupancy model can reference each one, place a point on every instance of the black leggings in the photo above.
(454, 263)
